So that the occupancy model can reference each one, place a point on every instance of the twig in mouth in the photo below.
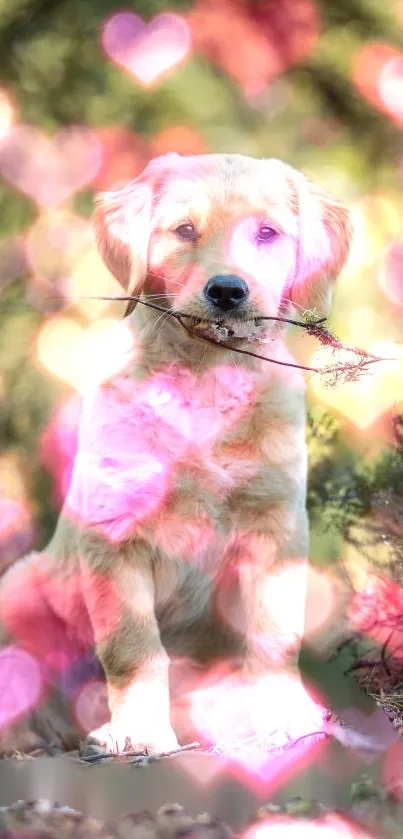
(332, 373)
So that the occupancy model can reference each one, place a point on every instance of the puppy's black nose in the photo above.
(226, 291)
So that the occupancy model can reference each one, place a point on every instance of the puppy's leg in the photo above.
(274, 705)
(271, 584)
(128, 644)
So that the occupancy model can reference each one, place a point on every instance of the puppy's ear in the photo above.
(122, 225)
(325, 234)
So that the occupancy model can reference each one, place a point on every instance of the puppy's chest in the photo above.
(224, 431)
(179, 447)
(239, 448)
(221, 468)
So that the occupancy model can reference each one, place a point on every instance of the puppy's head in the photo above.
(224, 239)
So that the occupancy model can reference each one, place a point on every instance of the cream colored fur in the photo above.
(188, 495)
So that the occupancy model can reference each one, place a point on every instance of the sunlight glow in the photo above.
(7, 116)
(83, 357)
(246, 720)
(327, 826)
(364, 401)
(391, 88)
(50, 169)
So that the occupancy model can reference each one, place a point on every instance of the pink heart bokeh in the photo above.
(55, 243)
(50, 169)
(146, 51)
(20, 684)
(254, 46)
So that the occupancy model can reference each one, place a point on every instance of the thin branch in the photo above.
(333, 373)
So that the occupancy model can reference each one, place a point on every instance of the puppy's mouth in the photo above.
(251, 330)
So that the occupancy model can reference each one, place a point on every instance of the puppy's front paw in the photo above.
(119, 736)
(271, 713)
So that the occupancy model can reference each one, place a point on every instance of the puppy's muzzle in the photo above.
(226, 292)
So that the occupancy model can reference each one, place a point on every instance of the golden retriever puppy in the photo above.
(184, 535)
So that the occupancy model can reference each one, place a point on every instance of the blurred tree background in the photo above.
(90, 91)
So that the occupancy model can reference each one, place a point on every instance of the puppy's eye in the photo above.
(266, 233)
(187, 232)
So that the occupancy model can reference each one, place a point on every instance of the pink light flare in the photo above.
(50, 169)
(115, 493)
(247, 719)
(20, 685)
(391, 275)
(280, 595)
(147, 51)
(74, 598)
(391, 88)
(135, 436)
(82, 356)
(327, 826)
(37, 605)
(28, 617)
